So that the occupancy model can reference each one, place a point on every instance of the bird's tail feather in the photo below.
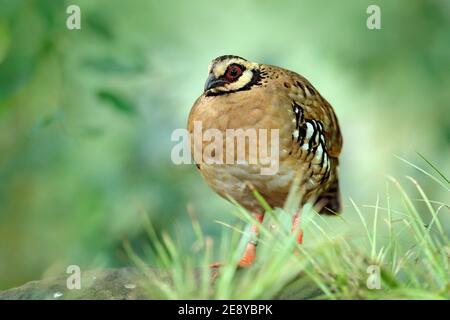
(329, 202)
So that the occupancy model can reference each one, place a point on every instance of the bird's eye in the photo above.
(233, 72)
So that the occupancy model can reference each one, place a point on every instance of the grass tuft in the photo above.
(403, 253)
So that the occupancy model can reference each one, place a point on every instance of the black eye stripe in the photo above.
(255, 81)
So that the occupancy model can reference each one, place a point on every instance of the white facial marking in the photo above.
(219, 69)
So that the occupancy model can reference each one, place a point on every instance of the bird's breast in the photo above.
(259, 115)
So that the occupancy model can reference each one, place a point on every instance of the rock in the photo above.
(104, 284)
(121, 284)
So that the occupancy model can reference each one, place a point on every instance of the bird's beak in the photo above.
(213, 82)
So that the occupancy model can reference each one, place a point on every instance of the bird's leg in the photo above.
(296, 227)
(250, 251)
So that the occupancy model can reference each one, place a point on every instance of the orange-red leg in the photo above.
(249, 255)
(250, 251)
(296, 227)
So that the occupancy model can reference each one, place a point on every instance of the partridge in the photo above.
(240, 94)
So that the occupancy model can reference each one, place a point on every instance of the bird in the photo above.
(241, 94)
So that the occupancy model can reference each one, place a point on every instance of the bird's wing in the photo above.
(314, 107)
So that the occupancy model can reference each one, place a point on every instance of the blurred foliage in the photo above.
(86, 115)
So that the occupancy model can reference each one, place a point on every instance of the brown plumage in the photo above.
(240, 94)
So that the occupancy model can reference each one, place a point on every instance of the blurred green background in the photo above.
(86, 115)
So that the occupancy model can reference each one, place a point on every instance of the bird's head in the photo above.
(228, 74)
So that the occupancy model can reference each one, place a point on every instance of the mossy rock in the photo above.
(104, 284)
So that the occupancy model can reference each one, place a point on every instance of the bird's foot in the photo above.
(246, 261)
(248, 257)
